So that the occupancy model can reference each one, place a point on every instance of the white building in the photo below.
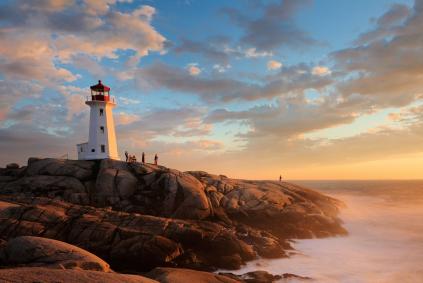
(102, 137)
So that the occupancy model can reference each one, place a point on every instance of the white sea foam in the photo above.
(385, 241)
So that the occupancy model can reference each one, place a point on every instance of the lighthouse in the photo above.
(102, 137)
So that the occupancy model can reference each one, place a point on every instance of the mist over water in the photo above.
(385, 242)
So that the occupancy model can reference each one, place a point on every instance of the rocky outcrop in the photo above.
(63, 187)
(79, 169)
(281, 208)
(36, 259)
(254, 277)
(46, 275)
(140, 216)
(179, 275)
(284, 209)
(128, 241)
(42, 252)
(261, 276)
(12, 166)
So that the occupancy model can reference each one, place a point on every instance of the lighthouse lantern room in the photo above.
(102, 137)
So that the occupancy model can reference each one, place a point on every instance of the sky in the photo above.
(305, 89)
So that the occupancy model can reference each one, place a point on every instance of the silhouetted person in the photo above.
(156, 158)
(143, 157)
(126, 155)
(280, 178)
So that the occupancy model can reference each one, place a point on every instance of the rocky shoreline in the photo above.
(144, 218)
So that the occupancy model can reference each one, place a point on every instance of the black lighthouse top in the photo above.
(100, 92)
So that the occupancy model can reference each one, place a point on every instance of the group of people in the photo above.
(132, 158)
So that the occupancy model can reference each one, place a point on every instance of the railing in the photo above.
(105, 98)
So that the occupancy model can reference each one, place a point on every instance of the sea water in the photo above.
(385, 242)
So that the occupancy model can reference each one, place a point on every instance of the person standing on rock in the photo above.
(126, 155)
(156, 158)
(280, 178)
(143, 157)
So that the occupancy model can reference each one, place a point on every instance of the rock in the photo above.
(12, 171)
(79, 169)
(51, 186)
(143, 216)
(127, 241)
(258, 276)
(193, 203)
(43, 252)
(114, 186)
(283, 209)
(46, 275)
(293, 276)
(160, 191)
(179, 275)
(12, 166)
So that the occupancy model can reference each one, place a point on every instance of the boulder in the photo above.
(258, 276)
(43, 252)
(46, 275)
(12, 166)
(79, 169)
(150, 189)
(113, 186)
(180, 275)
(184, 196)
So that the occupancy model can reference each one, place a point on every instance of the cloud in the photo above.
(386, 24)
(90, 64)
(43, 47)
(221, 68)
(182, 122)
(212, 50)
(273, 65)
(120, 31)
(387, 70)
(253, 53)
(218, 89)
(207, 144)
(25, 55)
(17, 144)
(219, 50)
(288, 118)
(128, 101)
(75, 100)
(36, 38)
(123, 118)
(274, 28)
(13, 91)
(193, 69)
(50, 5)
(320, 71)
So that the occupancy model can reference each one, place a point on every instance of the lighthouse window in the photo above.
(102, 129)
(103, 148)
(93, 150)
(101, 112)
(82, 149)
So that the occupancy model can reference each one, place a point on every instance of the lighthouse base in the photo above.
(84, 153)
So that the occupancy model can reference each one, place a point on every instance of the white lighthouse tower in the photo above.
(102, 137)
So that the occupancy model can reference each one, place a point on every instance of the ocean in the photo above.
(385, 242)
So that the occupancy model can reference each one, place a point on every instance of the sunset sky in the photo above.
(251, 89)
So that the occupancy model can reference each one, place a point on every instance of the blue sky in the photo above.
(223, 86)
